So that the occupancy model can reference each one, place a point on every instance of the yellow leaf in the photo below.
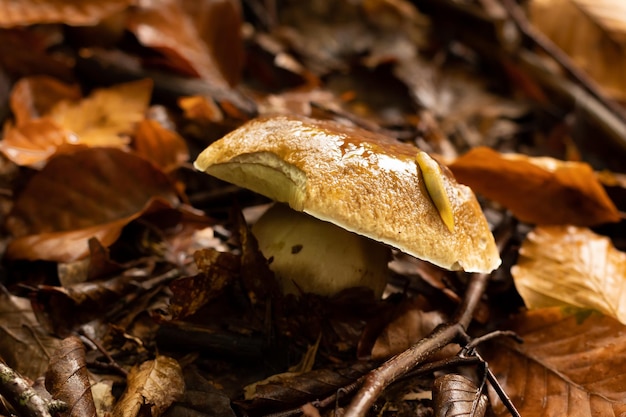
(571, 266)
(107, 116)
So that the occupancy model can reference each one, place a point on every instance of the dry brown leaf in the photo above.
(570, 364)
(34, 97)
(164, 147)
(200, 108)
(155, 384)
(198, 38)
(537, 190)
(78, 13)
(571, 266)
(34, 142)
(107, 116)
(90, 193)
(592, 33)
(67, 379)
(456, 396)
(24, 343)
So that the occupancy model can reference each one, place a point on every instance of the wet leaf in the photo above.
(166, 148)
(67, 379)
(107, 116)
(455, 396)
(537, 190)
(24, 344)
(33, 97)
(217, 269)
(571, 266)
(571, 364)
(594, 36)
(90, 193)
(85, 12)
(152, 387)
(198, 38)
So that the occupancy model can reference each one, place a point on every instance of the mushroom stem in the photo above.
(313, 256)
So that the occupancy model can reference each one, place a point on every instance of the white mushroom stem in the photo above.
(310, 255)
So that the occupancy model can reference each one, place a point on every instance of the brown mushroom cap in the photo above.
(366, 183)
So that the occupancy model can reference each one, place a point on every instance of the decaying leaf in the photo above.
(24, 344)
(84, 12)
(198, 38)
(537, 190)
(594, 36)
(33, 97)
(570, 364)
(152, 387)
(166, 148)
(107, 116)
(67, 379)
(456, 396)
(571, 266)
(90, 193)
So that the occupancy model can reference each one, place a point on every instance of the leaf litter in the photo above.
(106, 258)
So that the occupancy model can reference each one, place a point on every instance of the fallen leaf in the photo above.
(198, 38)
(155, 385)
(67, 378)
(200, 108)
(33, 97)
(83, 13)
(571, 266)
(24, 344)
(455, 396)
(107, 116)
(164, 147)
(570, 364)
(594, 37)
(32, 143)
(94, 192)
(537, 190)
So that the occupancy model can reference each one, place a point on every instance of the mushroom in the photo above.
(375, 190)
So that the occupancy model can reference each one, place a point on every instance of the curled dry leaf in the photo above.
(456, 396)
(198, 38)
(67, 378)
(537, 190)
(81, 13)
(107, 116)
(90, 193)
(24, 343)
(570, 364)
(594, 36)
(154, 384)
(571, 266)
(162, 146)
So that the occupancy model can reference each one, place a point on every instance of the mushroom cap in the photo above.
(364, 182)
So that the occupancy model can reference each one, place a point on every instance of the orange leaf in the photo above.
(33, 142)
(537, 190)
(200, 108)
(106, 115)
(198, 38)
(77, 13)
(162, 146)
(94, 192)
(34, 97)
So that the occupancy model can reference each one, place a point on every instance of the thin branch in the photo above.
(22, 397)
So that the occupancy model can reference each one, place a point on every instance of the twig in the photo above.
(545, 44)
(23, 398)
(106, 354)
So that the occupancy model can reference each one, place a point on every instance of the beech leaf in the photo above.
(67, 378)
(107, 116)
(570, 364)
(33, 97)
(154, 384)
(537, 190)
(81, 13)
(166, 148)
(594, 36)
(571, 266)
(90, 193)
(456, 396)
